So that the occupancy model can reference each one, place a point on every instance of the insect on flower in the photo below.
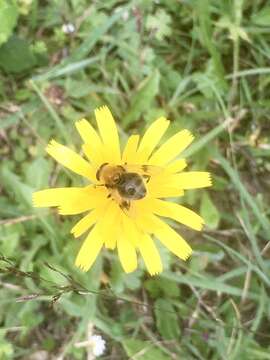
(125, 200)
(124, 184)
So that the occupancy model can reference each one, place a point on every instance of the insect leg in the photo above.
(146, 177)
(125, 205)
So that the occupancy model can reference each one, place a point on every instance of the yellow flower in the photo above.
(114, 220)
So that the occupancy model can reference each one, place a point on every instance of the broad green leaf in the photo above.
(38, 173)
(262, 17)
(142, 100)
(209, 212)
(117, 278)
(9, 240)
(152, 286)
(166, 320)
(158, 287)
(143, 350)
(8, 19)
(170, 288)
(14, 186)
(132, 280)
(16, 56)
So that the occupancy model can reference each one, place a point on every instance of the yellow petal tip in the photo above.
(38, 199)
(189, 135)
(155, 273)
(103, 108)
(82, 263)
(51, 146)
(186, 255)
(80, 122)
(34, 200)
(209, 180)
(81, 267)
(164, 120)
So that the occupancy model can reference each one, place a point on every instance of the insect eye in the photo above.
(131, 191)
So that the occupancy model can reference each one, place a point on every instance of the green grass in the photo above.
(204, 64)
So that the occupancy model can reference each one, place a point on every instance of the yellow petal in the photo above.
(70, 160)
(150, 255)
(94, 147)
(171, 148)
(86, 201)
(70, 201)
(178, 213)
(127, 254)
(176, 166)
(171, 239)
(109, 134)
(151, 138)
(130, 230)
(192, 180)
(56, 196)
(160, 187)
(165, 192)
(89, 250)
(101, 205)
(110, 223)
(171, 185)
(88, 133)
(84, 224)
(96, 158)
(129, 153)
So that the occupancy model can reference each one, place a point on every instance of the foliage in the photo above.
(203, 64)
(8, 19)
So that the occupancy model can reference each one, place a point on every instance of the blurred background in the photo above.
(204, 64)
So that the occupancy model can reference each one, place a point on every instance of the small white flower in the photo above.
(68, 28)
(98, 345)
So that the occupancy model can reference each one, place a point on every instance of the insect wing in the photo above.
(143, 169)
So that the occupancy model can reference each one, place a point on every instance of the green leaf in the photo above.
(148, 89)
(74, 307)
(38, 173)
(16, 56)
(166, 319)
(117, 278)
(9, 240)
(132, 280)
(158, 287)
(144, 350)
(8, 19)
(120, 280)
(170, 288)
(209, 212)
(25, 315)
(262, 17)
(20, 191)
(203, 9)
(159, 23)
(208, 282)
(6, 349)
